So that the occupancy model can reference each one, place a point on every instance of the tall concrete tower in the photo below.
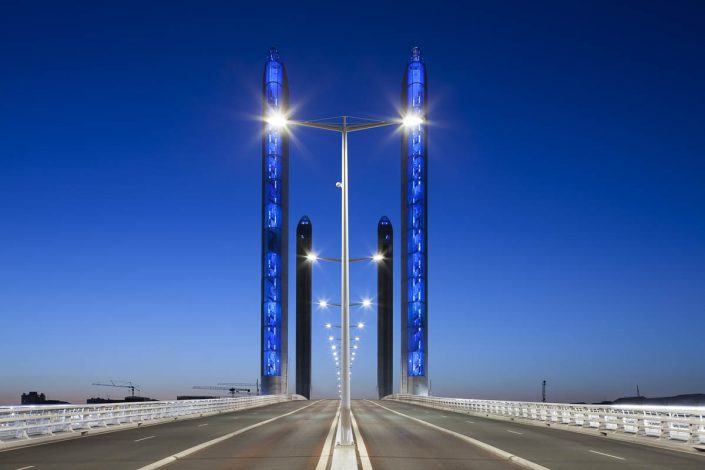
(275, 220)
(414, 230)
(385, 307)
(304, 268)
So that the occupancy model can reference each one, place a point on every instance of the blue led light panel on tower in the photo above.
(272, 219)
(416, 218)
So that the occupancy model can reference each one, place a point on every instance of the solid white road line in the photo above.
(608, 455)
(326, 452)
(191, 450)
(201, 425)
(515, 432)
(361, 449)
(25, 468)
(492, 449)
(144, 438)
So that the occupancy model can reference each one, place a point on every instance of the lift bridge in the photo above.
(400, 431)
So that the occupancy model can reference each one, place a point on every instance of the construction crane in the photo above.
(112, 383)
(232, 390)
(240, 384)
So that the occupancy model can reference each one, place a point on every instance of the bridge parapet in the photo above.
(676, 425)
(20, 425)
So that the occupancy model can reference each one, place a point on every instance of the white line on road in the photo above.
(496, 451)
(201, 425)
(326, 452)
(25, 468)
(144, 438)
(608, 455)
(471, 422)
(191, 450)
(515, 432)
(361, 449)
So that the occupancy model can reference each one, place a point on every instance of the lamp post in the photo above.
(343, 126)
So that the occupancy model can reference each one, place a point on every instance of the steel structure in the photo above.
(414, 231)
(275, 219)
(304, 268)
(385, 307)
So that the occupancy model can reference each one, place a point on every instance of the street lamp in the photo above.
(343, 126)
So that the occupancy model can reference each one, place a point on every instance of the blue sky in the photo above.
(566, 192)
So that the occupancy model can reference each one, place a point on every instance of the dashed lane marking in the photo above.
(482, 445)
(191, 450)
(201, 425)
(514, 432)
(145, 438)
(608, 455)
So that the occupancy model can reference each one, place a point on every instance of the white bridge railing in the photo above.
(676, 424)
(20, 423)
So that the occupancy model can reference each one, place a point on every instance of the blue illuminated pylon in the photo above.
(275, 218)
(414, 341)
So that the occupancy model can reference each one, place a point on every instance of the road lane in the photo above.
(555, 448)
(290, 443)
(118, 450)
(395, 442)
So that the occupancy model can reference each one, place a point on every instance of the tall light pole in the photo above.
(342, 125)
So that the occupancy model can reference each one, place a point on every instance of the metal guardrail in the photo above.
(676, 424)
(19, 423)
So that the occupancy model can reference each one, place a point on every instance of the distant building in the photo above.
(36, 398)
(131, 399)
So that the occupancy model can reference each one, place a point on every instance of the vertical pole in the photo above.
(345, 421)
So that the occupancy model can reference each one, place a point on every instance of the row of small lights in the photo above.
(333, 347)
(324, 304)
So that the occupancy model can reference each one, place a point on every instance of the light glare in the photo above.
(412, 120)
(276, 120)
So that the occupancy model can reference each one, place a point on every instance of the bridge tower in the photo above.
(304, 268)
(275, 220)
(385, 307)
(414, 231)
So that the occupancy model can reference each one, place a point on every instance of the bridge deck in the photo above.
(296, 441)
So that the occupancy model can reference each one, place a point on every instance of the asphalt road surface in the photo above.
(551, 448)
(297, 440)
(135, 448)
